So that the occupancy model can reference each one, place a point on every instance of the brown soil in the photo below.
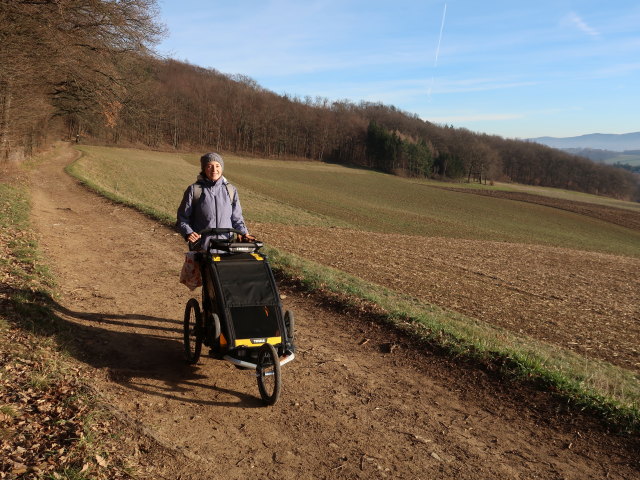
(584, 301)
(349, 409)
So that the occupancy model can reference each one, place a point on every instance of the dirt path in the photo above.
(348, 409)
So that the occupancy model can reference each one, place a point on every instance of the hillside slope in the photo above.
(358, 402)
(552, 268)
(618, 216)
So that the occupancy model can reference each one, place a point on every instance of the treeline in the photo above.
(188, 107)
(98, 75)
(595, 154)
(626, 166)
(389, 151)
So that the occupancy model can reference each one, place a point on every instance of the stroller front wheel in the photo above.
(268, 374)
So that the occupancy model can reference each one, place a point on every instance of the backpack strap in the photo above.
(231, 190)
(197, 193)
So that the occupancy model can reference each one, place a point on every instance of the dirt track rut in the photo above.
(349, 408)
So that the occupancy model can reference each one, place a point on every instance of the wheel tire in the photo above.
(268, 374)
(216, 349)
(193, 330)
(289, 323)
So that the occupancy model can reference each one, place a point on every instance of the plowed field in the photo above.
(584, 301)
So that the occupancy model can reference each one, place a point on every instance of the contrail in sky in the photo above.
(435, 64)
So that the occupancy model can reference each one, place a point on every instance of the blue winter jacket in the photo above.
(213, 210)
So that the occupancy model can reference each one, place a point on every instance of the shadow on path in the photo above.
(141, 361)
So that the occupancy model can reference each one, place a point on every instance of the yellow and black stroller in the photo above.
(241, 319)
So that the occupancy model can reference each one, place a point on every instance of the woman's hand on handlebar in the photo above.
(246, 238)
(193, 237)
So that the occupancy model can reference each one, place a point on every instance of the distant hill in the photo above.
(595, 154)
(599, 141)
(609, 157)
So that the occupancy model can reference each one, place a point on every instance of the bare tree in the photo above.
(75, 55)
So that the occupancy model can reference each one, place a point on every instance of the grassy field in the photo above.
(158, 180)
(555, 193)
(316, 194)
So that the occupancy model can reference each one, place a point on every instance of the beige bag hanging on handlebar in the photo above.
(190, 273)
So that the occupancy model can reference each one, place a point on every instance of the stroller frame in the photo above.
(242, 320)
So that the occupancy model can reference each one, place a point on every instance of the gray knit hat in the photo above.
(211, 157)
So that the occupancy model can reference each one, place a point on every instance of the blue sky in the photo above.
(516, 69)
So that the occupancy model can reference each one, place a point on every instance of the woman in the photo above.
(211, 202)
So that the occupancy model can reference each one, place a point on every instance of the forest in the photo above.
(87, 68)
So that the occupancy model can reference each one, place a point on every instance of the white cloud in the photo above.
(579, 22)
(620, 69)
(481, 85)
(478, 117)
(462, 117)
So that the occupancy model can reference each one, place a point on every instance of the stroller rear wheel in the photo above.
(268, 374)
(213, 334)
(193, 331)
(289, 323)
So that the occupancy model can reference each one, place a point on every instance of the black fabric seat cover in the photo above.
(246, 283)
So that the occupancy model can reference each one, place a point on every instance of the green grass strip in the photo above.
(21, 260)
(32, 334)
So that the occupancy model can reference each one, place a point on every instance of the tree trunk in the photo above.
(5, 105)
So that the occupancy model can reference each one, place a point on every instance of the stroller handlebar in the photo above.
(227, 245)
(219, 231)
